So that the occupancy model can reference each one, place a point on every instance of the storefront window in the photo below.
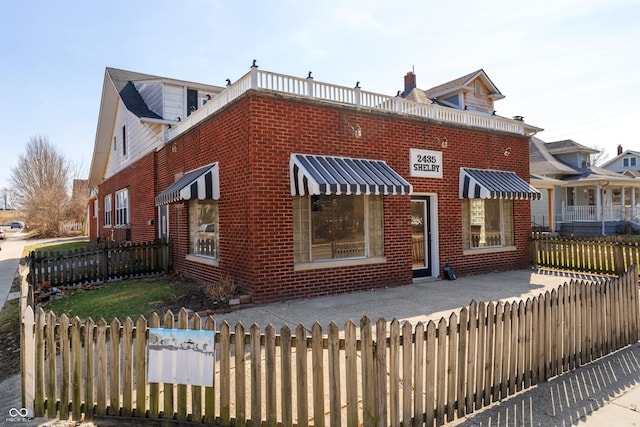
(337, 227)
(487, 223)
(204, 229)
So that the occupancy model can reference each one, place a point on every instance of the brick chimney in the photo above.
(409, 82)
(619, 149)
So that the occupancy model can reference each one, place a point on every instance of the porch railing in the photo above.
(590, 213)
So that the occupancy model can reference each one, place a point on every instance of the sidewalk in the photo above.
(602, 392)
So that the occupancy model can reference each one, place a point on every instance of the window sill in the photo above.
(479, 251)
(338, 263)
(214, 262)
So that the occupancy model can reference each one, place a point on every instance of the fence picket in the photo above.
(351, 372)
(196, 390)
(286, 378)
(51, 360)
(42, 375)
(317, 374)
(270, 375)
(334, 375)
(102, 380)
(154, 388)
(369, 409)
(430, 362)
(89, 360)
(65, 366)
(418, 374)
(168, 407)
(241, 380)
(210, 392)
(460, 375)
(114, 368)
(441, 365)
(76, 369)
(256, 375)
(225, 374)
(127, 367)
(302, 383)
(381, 373)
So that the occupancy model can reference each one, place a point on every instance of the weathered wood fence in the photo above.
(600, 255)
(100, 264)
(368, 374)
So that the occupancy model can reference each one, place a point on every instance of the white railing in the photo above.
(309, 88)
(609, 213)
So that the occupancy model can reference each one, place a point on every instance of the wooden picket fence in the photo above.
(598, 255)
(98, 264)
(368, 374)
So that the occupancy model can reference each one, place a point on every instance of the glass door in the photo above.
(421, 236)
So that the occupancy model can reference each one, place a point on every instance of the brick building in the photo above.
(296, 188)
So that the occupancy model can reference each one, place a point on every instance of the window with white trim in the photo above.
(107, 210)
(204, 228)
(487, 223)
(337, 227)
(122, 207)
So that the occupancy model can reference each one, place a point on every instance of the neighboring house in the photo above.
(296, 188)
(625, 162)
(577, 197)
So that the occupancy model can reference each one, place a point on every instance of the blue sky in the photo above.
(568, 66)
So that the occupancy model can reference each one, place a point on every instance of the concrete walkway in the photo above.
(604, 392)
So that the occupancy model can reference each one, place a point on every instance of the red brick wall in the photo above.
(252, 140)
(139, 179)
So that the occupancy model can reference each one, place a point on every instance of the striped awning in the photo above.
(494, 184)
(342, 175)
(201, 184)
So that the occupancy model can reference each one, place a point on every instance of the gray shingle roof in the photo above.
(124, 83)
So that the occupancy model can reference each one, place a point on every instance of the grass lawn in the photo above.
(128, 298)
(57, 247)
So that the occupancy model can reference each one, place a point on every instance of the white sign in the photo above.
(425, 163)
(180, 356)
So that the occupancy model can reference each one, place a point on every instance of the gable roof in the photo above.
(462, 83)
(621, 155)
(119, 85)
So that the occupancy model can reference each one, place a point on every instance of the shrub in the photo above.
(222, 290)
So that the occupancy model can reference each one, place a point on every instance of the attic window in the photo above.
(477, 90)
(629, 161)
(453, 101)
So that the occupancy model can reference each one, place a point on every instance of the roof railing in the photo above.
(309, 88)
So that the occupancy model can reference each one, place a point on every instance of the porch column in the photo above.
(633, 203)
(622, 205)
(550, 206)
(599, 206)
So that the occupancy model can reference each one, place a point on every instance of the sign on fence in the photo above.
(178, 356)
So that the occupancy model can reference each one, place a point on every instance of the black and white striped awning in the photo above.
(493, 184)
(342, 175)
(201, 184)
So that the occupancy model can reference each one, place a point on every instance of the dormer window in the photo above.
(454, 101)
(477, 88)
(629, 162)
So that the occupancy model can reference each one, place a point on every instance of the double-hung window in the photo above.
(329, 227)
(107, 210)
(122, 208)
(487, 223)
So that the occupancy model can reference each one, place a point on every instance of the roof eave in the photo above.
(106, 120)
